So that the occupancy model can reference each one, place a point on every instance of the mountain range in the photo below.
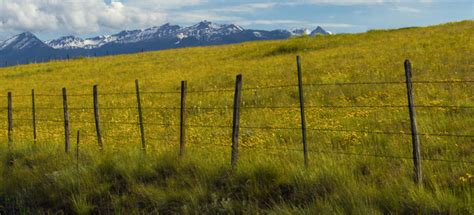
(26, 47)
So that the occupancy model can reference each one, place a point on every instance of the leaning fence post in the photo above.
(33, 112)
(140, 115)
(66, 122)
(97, 118)
(236, 120)
(303, 119)
(10, 119)
(414, 131)
(182, 133)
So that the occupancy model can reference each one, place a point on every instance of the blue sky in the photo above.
(50, 19)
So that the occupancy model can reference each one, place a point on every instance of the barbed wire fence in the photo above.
(235, 127)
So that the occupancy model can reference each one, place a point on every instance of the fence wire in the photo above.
(217, 90)
(170, 138)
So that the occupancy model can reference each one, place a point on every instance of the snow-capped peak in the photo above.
(66, 42)
(233, 27)
(21, 41)
(206, 29)
(71, 42)
(300, 32)
(320, 31)
(206, 24)
(168, 27)
(123, 37)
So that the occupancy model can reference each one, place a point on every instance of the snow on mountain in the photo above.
(99, 41)
(320, 31)
(70, 42)
(205, 31)
(164, 31)
(21, 41)
(66, 42)
(257, 34)
(300, 32)
(304, 31)
(26, 46)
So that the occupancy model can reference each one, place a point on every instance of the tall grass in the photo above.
(43, 179)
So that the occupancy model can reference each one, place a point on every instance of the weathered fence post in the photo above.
(33, 112)
(97, 118)
(236, 120)
(66, 122)
(10, 119)
(77, 149)
(414, 131)
(140, 115)
(303, 119)
(182, 133)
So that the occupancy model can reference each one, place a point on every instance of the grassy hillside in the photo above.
(270, 177)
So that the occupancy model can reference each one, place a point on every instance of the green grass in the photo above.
(270, 176)
(43, 179)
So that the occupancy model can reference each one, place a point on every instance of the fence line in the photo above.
(275, 148)
(252, 107)
(426, 82)
(237, 108)
(260, 128)
(363, 154)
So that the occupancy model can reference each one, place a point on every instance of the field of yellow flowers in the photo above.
(358, 134)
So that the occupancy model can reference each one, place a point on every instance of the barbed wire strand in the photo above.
(265, 87)
(363, 154)
(260, 128)
(246, 107)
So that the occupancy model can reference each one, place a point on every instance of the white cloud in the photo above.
(84, 16)
(337, 25)
(293, 23)
(407, 9)
(338, 2)
(163, 4)
(274, 22)
(93, 16)
(196, 16)
(353, 2)
(245, 8)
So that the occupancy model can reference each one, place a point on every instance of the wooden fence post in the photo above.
(10, 119)
(414, 130)
(236, 120)
(182, 133)
(33, 117)
(303, 119)
(77, 149)
(66, 122)
(97, 117)
(140, 116)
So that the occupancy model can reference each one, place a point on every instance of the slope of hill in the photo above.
(358, 133)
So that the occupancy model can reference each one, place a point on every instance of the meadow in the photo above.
(358, 134)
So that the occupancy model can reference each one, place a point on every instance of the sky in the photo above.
(50, 19)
